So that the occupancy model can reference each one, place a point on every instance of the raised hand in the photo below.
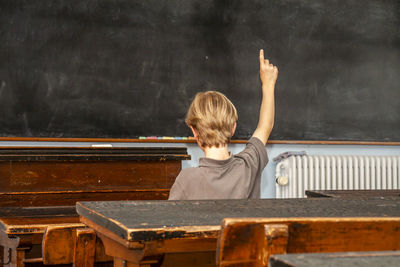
(268, 72)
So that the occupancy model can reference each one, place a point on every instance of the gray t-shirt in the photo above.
(233, 178)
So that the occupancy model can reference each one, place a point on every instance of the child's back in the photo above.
(239, 176)
(220, 175)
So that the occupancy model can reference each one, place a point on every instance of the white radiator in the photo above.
(296, 174)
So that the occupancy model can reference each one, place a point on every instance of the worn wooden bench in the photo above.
(50, 236)
(251, 241)
(29, 224)
(141, 233)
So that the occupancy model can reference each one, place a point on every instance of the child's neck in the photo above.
(218, 153)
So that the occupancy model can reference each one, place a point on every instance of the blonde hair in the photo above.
(213, 116)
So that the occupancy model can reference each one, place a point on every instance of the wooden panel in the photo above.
(65, 244)
(40, 175)
(58, 245)
(48, 175)
(203, 259)
(306, 235)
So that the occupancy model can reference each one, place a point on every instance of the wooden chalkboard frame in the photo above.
(115, 140)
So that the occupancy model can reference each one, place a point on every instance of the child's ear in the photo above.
(233, 129)
(195, 133)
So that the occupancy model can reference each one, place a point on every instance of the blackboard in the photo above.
(129, 68)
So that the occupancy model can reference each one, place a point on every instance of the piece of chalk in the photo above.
(151, 137)
(178, 138)
(184, 138)
(101, 145)
(167, 138)
(142, 137)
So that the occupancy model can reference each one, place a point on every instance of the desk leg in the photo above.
(250, 244)
(3, 256)
(7, 257)
(84, 248)
(122, 263)
(20, 257)
(118, 262)
(124, 257)
(10, 257)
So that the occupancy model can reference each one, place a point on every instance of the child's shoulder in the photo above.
(188, 178)
(188, 173)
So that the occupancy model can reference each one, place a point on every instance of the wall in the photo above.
(268, 177)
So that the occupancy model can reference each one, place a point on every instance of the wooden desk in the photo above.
(349, 259)
(353, 193)
(36, 181)
(42, 176)
(41, 230)
(140, 232)
(29, 225)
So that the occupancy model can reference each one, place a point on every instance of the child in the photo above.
(220, 175)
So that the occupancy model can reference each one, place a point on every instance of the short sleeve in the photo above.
(255, 154)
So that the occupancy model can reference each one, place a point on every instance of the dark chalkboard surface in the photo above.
(129, 68)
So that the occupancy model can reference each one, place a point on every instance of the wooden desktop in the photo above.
(142, 233)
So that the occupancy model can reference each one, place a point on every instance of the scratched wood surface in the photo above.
(354, 193)
(370, 259)
(36, 212)
(34, 220)
(151, 220)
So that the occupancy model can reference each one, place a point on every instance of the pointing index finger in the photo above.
(261, 56)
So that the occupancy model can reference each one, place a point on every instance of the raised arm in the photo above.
(268, 75)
